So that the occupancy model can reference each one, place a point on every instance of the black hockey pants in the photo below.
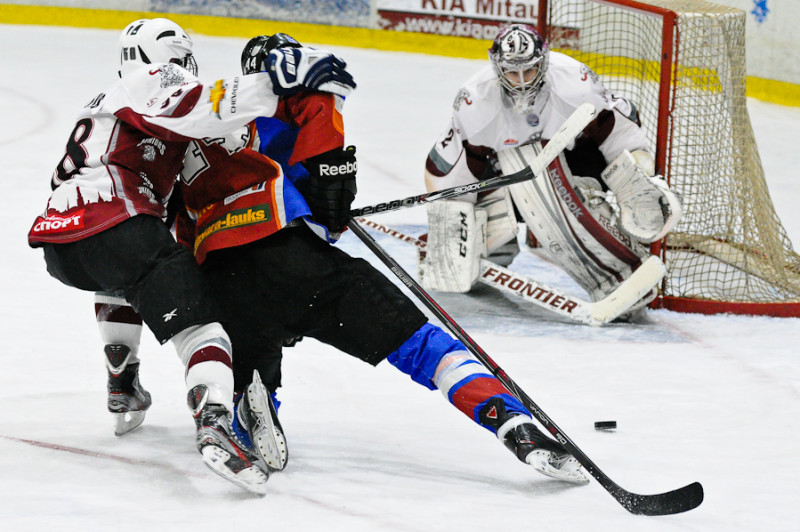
(140, 259)
(292, 283)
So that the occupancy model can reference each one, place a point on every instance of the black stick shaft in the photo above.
(680, 500)
(447, 193)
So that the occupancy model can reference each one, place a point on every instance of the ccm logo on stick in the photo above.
(342, 169)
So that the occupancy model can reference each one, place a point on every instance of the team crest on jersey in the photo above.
(532, 119)
(151, 147)
(511, 142)
(171, 75)
(462, 96)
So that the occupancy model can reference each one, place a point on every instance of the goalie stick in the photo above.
(571, 128)
(671, 502)
(650, 272)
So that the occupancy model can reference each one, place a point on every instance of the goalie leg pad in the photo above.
(501, 226)
(501, 222)
(456, 243)
(648, 208)
(573, 226)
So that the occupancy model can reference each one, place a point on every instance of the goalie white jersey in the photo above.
(566, 208)
(484, 121)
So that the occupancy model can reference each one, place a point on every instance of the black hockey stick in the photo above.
(570, 129)
(447, 193)
(671, 502)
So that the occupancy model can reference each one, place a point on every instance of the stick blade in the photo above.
(672, 502)
(634, 288)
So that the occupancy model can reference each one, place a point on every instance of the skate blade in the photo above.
(124, 422)
(268, 439)
(570, 471)
(252, 478)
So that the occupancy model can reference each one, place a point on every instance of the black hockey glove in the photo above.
(332, 187)
(293, 70)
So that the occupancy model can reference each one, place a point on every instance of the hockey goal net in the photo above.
(682, 62)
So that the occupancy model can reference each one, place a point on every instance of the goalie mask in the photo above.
(158, 40)
(519, 57)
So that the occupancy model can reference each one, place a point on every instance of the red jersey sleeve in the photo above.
(320, 122)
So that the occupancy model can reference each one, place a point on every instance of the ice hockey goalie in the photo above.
(594, 211)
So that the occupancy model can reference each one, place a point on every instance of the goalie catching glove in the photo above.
(332, 187)
(648, 208)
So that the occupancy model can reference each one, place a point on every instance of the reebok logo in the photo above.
(348, 168)
(564, 191)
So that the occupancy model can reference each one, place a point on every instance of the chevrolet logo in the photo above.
(216, 95)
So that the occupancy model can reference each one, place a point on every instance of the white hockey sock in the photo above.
(205, 351)
(118, 324)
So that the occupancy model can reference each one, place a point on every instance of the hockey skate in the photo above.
(127, 400)
(222, 451)
(546, 455)
(256, 420)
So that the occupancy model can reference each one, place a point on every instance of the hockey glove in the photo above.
(332, 187)
(297, 69)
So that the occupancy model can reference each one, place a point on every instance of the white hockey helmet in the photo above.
(157, 40)
(519, 56)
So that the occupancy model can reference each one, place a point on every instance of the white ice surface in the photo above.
(714, 399)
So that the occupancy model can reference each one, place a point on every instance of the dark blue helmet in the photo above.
(258, 48)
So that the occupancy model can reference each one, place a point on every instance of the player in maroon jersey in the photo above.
(102, 228)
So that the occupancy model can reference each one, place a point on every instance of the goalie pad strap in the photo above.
(456, 243)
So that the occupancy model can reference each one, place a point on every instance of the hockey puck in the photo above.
(605, 425)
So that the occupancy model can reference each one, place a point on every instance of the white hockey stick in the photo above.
(552, 299)
(536, 164)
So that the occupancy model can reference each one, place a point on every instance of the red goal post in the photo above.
(682, 63)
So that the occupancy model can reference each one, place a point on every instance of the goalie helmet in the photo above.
(157, 40)
(519, 56)
(258, 48)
